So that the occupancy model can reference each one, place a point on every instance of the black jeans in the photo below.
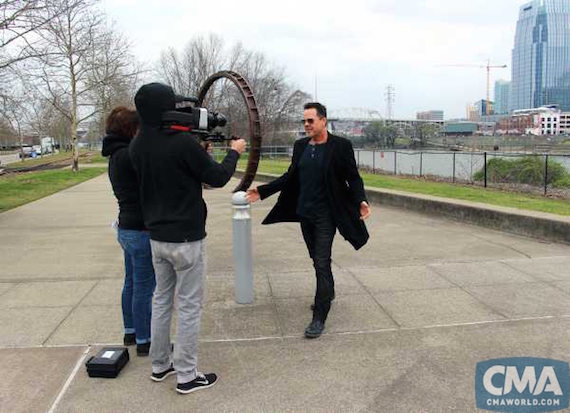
(319, 235)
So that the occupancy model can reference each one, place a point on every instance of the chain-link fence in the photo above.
(531, 173)
(545, 174)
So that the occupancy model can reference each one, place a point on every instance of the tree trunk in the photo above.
(75, 151)
(22, 155)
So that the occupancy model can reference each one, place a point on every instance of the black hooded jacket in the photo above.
(171, 167)
(124, 181)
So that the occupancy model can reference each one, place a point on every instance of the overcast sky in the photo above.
(354, 48)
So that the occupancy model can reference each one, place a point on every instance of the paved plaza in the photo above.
(415, 311)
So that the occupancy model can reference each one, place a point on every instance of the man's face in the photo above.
(314, 125)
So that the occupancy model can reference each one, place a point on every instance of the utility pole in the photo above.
(390, 99)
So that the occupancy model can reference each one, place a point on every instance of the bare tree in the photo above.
(187, 71)
(8, 138)
(288, 117)
(59, 127)
(113, 78)
(202, 57)
(16, 114)
(83, 58)
(19, 20)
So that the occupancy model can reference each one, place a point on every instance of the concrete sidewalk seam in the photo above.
(21, 280)
(526, 272)
(363, 286)
(300, 336)
(47, 346)
(69, 380)
(462, 288)
(9, 289)
(504, 245)
(550, 283)
(275, 307)
(71, 312)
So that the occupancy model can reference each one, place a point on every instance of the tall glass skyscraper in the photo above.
(502, 96)
(541, 56)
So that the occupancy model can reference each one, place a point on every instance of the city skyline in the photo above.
(353, 50)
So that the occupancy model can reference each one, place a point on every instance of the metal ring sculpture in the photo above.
(254, 121)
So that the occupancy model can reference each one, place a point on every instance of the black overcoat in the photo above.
(345, 190)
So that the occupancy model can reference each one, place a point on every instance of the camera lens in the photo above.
(215, 120)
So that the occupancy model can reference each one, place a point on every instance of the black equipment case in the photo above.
(108, 362)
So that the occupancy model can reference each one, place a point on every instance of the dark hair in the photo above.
(320, 108)
(122, 121)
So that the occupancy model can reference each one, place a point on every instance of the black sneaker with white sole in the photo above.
(161, 376)
(202, 381)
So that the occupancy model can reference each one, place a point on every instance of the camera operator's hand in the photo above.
(238, 145)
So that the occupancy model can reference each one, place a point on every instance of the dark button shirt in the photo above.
(313, 194)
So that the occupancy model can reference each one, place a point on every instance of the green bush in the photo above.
(563, 183)
(526, 170)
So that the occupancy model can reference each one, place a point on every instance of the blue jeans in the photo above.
(139, 283)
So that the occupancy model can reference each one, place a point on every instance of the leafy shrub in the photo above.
(527, 170)
(563, 183)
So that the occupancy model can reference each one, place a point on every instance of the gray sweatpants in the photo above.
(178, 267)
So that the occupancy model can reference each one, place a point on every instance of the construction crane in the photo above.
(488, 66)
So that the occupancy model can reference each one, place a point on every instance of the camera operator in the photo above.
(171, 167)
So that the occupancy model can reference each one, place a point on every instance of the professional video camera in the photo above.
(196, 120)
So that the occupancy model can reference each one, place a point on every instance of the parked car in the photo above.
(37, 149)
(26, 151)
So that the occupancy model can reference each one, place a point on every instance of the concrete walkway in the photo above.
(416, 310)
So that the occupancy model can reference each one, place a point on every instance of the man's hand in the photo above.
(364, 210)
(252, 195)
(238, 145)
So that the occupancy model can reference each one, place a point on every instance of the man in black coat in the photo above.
(324, 192)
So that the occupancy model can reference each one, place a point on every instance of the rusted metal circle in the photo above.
(254, 121)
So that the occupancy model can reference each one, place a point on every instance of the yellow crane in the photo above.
(487, 66)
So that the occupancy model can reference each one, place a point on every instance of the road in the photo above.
(7, 159)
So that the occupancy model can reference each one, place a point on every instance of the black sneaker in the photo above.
(129, 339)
(315, 329)
(143, 349)
(161, 376)
(202, 381)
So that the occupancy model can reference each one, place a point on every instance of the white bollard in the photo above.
(242, 249)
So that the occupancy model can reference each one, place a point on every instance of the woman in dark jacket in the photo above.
(138, 288)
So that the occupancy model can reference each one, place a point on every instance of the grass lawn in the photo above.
(98, 158)
(38, 161)
(442, 189)
(19, 189)
(84, 157)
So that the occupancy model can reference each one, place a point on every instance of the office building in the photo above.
(430, 115)
(542, 121)
(502, 92)
(541, 56)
